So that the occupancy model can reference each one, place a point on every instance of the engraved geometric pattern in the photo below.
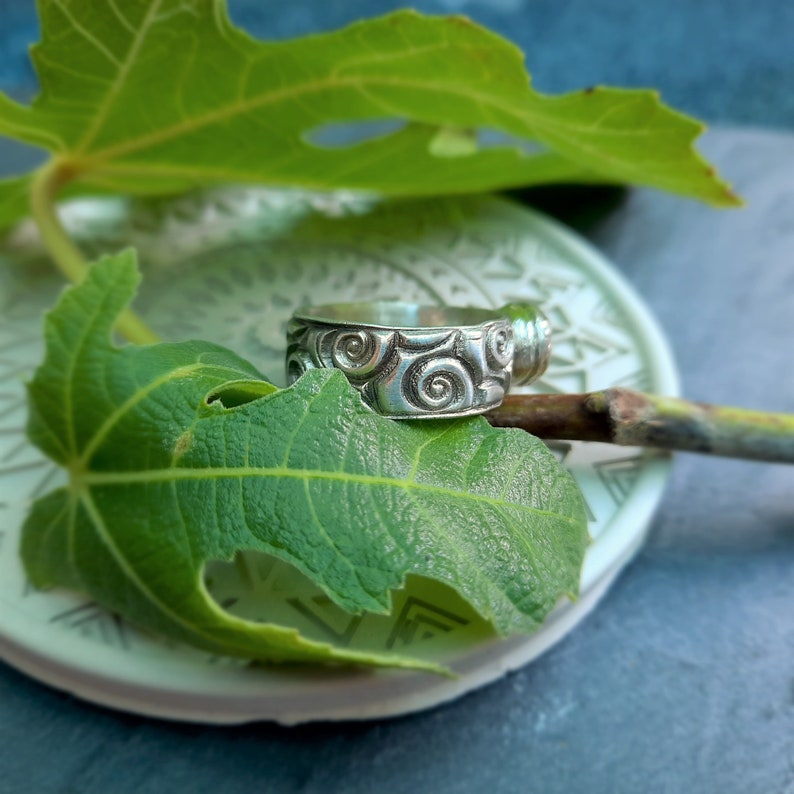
(231, 266)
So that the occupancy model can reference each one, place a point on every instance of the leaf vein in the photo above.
(104, 478)
(86, 34)
(124, 69)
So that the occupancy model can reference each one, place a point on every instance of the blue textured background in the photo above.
(683, 679)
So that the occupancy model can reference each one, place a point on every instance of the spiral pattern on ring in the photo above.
(499, 345)
(356, 352)
(438, 384)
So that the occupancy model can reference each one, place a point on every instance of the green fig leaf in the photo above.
(182, 454)
(159, 96)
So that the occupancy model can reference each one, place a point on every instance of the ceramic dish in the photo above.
(230, 266)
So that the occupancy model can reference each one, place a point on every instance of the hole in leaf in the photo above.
(342, 135)
(240, 392)
(447, 142)
(496, 139)
(427, 619)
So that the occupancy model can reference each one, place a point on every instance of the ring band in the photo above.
(422, 362)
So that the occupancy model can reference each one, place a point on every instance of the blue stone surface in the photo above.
(683, 679)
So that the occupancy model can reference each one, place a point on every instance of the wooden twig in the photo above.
(629, 418)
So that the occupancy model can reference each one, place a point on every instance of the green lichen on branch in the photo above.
(633, 419)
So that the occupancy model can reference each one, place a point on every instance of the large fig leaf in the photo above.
(156, 96)
(181, 454)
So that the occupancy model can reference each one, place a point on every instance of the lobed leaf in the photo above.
(158, 96)
(182, 454)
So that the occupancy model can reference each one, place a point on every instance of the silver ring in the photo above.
(422, 362)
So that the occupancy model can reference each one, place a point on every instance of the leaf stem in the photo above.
(47, 181)
(629, 418)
